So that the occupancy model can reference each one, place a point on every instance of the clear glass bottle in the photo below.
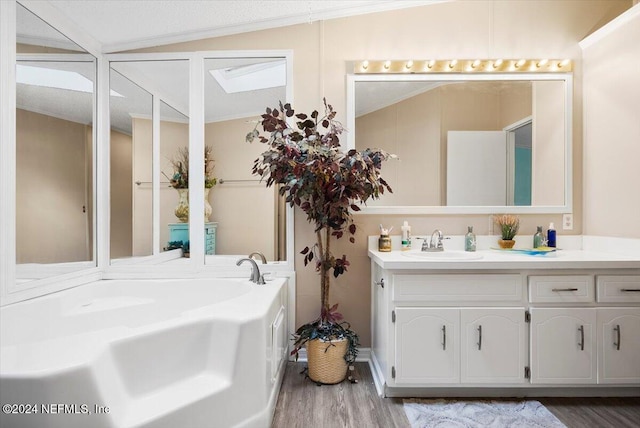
(470, 240)
(538, 238)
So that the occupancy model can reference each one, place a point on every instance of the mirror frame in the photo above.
(567, 78)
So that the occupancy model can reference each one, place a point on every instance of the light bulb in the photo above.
(365, 65)
(409, 64)
(387, 64)
(542, 62)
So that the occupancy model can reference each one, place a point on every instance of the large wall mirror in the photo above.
(150, 118)
(467, 143)
(55, 110)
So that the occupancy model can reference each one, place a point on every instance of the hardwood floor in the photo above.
(303, 404)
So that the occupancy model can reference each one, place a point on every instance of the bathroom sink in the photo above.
(443, 255)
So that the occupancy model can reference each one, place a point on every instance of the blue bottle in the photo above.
(551, 236)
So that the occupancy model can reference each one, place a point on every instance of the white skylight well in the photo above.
(54, 78)
(251, 77)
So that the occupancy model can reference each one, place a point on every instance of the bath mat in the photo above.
(440, 413)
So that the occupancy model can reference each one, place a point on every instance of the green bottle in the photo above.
(538, 238)
(470, 240)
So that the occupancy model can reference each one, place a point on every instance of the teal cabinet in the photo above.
(180, 232)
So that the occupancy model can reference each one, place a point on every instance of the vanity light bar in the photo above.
(497, 65)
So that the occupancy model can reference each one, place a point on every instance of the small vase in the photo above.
(506, 243)
(182, 209)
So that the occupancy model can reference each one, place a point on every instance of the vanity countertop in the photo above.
(496, 259)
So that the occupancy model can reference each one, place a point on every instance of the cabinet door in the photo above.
(619, 345)
(563, 346)
(427, 345)
(493, 345)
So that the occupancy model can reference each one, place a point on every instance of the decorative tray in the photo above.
(540, 251)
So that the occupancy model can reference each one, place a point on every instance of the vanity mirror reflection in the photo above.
(467, 143)
(55, 108)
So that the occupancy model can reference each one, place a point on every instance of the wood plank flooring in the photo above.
(303, 404)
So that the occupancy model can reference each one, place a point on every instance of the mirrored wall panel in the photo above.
(55, 101)
(467, 143)
(130, 106)
(246, 216)
(141, 133)
(174, 179)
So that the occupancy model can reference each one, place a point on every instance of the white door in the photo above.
(476, 168)
(427, 345)
(563, 345)
(619, 345)
(493, 345)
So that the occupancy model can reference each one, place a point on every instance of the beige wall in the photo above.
(52, 185)
(612, 133)
(120, 197)
(461, 29)
(245, 211)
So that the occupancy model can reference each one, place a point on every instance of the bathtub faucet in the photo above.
(263, 259)
(255, 271)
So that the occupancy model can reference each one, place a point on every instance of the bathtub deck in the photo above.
(302, 404)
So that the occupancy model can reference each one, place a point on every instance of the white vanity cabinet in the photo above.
(526, 329)
(427, 345)
(563, 345)
(449, 329)
(493, 345)
(618, 331)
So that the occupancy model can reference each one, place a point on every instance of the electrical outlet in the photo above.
(567, 221)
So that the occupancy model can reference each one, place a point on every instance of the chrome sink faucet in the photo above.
(255, 271)
(434, 243)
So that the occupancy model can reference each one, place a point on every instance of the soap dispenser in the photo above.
(551, 236)
(538, 238)
(470, 240)
(406, 236)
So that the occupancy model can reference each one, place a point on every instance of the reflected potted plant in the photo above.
(313, 173)
(180, 181)
(509, 225)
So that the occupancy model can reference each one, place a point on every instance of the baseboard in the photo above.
(376, 373)
(364, 355)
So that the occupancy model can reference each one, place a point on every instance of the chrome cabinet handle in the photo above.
(479, 337)
(380, 283)
(444, 337)
(630, 290)
(617, 330)
(564, 289)
(581, 330)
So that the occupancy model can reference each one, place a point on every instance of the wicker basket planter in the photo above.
(326, 360)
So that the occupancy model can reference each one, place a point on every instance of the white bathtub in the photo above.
(145, 353)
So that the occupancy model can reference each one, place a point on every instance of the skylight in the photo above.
(251, 77)
(54, 78)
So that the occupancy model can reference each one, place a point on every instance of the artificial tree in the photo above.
(313, 172)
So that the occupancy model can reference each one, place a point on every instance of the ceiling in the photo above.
(170, 22)
(122, 25)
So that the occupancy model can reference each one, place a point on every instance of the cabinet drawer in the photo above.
(457, 288)
(618, 288)
(557, 289)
